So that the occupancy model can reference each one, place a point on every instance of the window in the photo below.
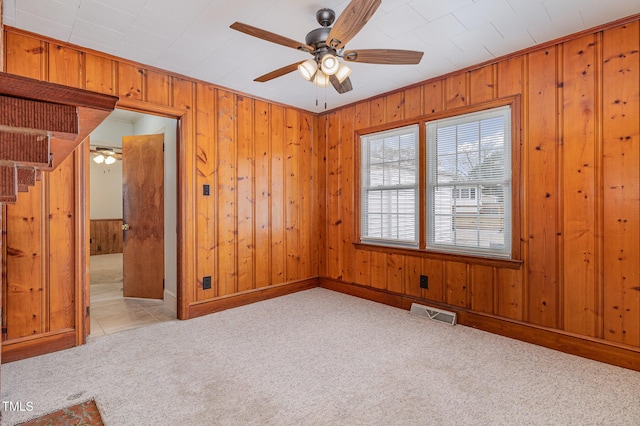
(469, 183)
(389, 186)
(443, 185)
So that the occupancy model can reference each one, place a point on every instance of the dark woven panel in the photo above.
(28, 114)
(8, 184)
(24, 148)
(26, 176)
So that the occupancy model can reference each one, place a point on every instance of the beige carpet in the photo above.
(322, 358)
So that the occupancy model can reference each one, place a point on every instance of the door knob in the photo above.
(125, 227)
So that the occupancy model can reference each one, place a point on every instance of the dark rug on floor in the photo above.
(85, 414)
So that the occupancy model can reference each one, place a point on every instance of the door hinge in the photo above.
(4, 330)
(88, 311)
(163, 283)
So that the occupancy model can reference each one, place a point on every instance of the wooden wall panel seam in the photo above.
(599, 181)
(560, 185)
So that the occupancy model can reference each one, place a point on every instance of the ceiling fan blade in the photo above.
(343, 87)
(351, 21)
(383, 56)
(278, 73)
(272, 37)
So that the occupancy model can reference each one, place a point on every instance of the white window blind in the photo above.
(469, 183)
(389, 185)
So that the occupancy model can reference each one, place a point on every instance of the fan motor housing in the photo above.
(325, 17)
(318, 37)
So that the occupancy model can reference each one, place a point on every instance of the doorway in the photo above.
(110, 310)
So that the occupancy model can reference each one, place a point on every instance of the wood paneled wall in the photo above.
(105, 236)
(257, 230)
(283, 187)
(580, 190)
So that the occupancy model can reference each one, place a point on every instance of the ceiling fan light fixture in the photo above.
(308, 69)
(321, 79)
(110, 160)
(329, 64)
(343, 72)
(99, 159)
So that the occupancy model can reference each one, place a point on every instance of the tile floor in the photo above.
(111, 312)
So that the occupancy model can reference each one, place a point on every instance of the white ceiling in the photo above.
(193, 38)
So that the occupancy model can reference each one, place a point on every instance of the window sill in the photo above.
(474, 260)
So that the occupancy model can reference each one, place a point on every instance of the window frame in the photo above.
(397, 131)
(513, 262)
(503, 113)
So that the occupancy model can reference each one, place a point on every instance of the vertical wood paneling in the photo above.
(245, 194)
(278, 231)
(158, 88)
(61, 245)
(323, 191)
(509, 77)
(334, 199)
(509, 294)
(262, 194)
(379, 270)
(99, 74)
(457, 292)
(621, 164)
(363, 257)
(292, 193)
(206, 205)
(481, 293)
(226, 179)
(412, 272)
(395, 273)
(130, 81)
(25, 56)
(347, 198)
(562, 280)
(456, 91)
(394, 107)
(65, 66)
(25, 263)
(433, 97)
(413, 102)
(434, 269)
(377, 111)
(482, 84)
(542, 196)
(579, 149)
(305, 195)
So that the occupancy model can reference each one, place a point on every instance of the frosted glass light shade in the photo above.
(329, 64)
(321, 79)
(343, 72)
(110, 160)
(99, 159)
(307, 69)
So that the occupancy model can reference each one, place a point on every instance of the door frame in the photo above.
(185, 214)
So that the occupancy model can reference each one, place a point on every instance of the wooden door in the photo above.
(143, 216)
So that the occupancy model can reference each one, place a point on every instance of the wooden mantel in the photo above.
(41, 123)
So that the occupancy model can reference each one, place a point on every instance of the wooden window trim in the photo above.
(515, 261)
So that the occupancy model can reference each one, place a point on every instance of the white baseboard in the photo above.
(171, 301)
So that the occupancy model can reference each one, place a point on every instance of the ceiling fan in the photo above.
(327, 44)
(105, 155)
